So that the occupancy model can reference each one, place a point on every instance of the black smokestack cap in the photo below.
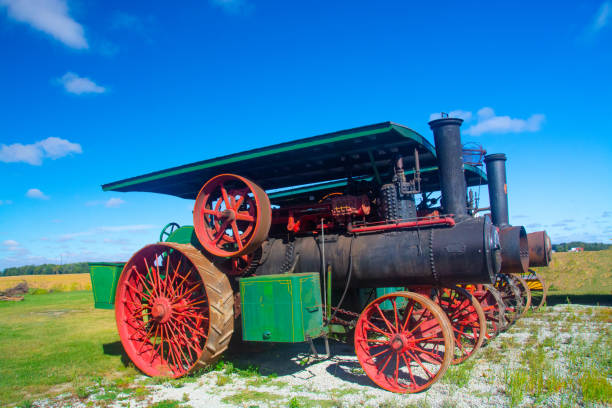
(449, 150)
(498, 188)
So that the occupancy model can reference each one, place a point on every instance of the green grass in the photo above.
(248, 396)
(583, 277)
(459, 374)
(56, 342)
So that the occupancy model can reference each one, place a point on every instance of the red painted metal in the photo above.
(465, 315)
(162, 313)
(446, 221)
(404, 349)
(492, 305)
(231, 216)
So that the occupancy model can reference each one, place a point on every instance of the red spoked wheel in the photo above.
(524, 291)
(466, 317)
(404, 342)
(232, 216)
(493, 307)
(511, 295)
(174, 310)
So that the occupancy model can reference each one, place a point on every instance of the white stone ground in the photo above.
(339, 381)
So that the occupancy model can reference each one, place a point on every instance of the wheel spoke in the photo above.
(237, 235)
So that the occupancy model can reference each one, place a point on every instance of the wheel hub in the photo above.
(400, 343)
(229, 214)
(162, 309)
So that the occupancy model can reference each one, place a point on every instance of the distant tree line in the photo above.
(566, 246)
(47, 269)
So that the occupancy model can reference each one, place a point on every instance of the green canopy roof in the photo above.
(359, 153)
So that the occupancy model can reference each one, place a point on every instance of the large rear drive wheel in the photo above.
(174, 310)
(404, 342)
(232, 216)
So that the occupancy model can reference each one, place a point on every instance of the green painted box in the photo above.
(104, 277)
(281, 308)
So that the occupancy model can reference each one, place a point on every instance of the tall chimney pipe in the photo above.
(498, 188)
(449, 150)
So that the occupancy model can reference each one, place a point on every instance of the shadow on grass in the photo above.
(601, 300)
(116, 349)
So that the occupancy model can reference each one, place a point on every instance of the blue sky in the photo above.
(96, 91)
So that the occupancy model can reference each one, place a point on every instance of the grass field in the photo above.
(58, 283)
(56, 343)
(583, 277)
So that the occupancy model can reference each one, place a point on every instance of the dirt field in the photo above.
(62, 283)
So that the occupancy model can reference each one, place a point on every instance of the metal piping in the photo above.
(449, 150)
(498, 188)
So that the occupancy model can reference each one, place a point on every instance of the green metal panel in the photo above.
(104, 277)
(281, 308)
(387, 305)
(367, 295)
(185, 235)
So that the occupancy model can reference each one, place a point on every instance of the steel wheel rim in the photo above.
(511, 297)
(467, 319)
(492, 306)
(162, 312)
(525, 293)
(538, 288)
(404, 350)
(168, 230)
(232, 216)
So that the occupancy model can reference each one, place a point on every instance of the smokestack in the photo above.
(498, 189)
(449, 150)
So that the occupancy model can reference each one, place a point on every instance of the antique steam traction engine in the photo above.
(334, 233)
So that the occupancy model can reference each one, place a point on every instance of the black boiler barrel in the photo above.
(450, 162)
(466, 253)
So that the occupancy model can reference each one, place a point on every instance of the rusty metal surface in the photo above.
(540, 248)
(515, 250)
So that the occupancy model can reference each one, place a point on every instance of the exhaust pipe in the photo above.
(449, 150)
(515, 247)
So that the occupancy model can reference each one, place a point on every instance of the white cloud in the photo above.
(49, 16)
(601, 18)
(80, 85)
(488, 122)
(113, 202)
(52, 147)
(232, 6)
(5, 202)
(10, 243)
(37, 194)
(110, 203)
